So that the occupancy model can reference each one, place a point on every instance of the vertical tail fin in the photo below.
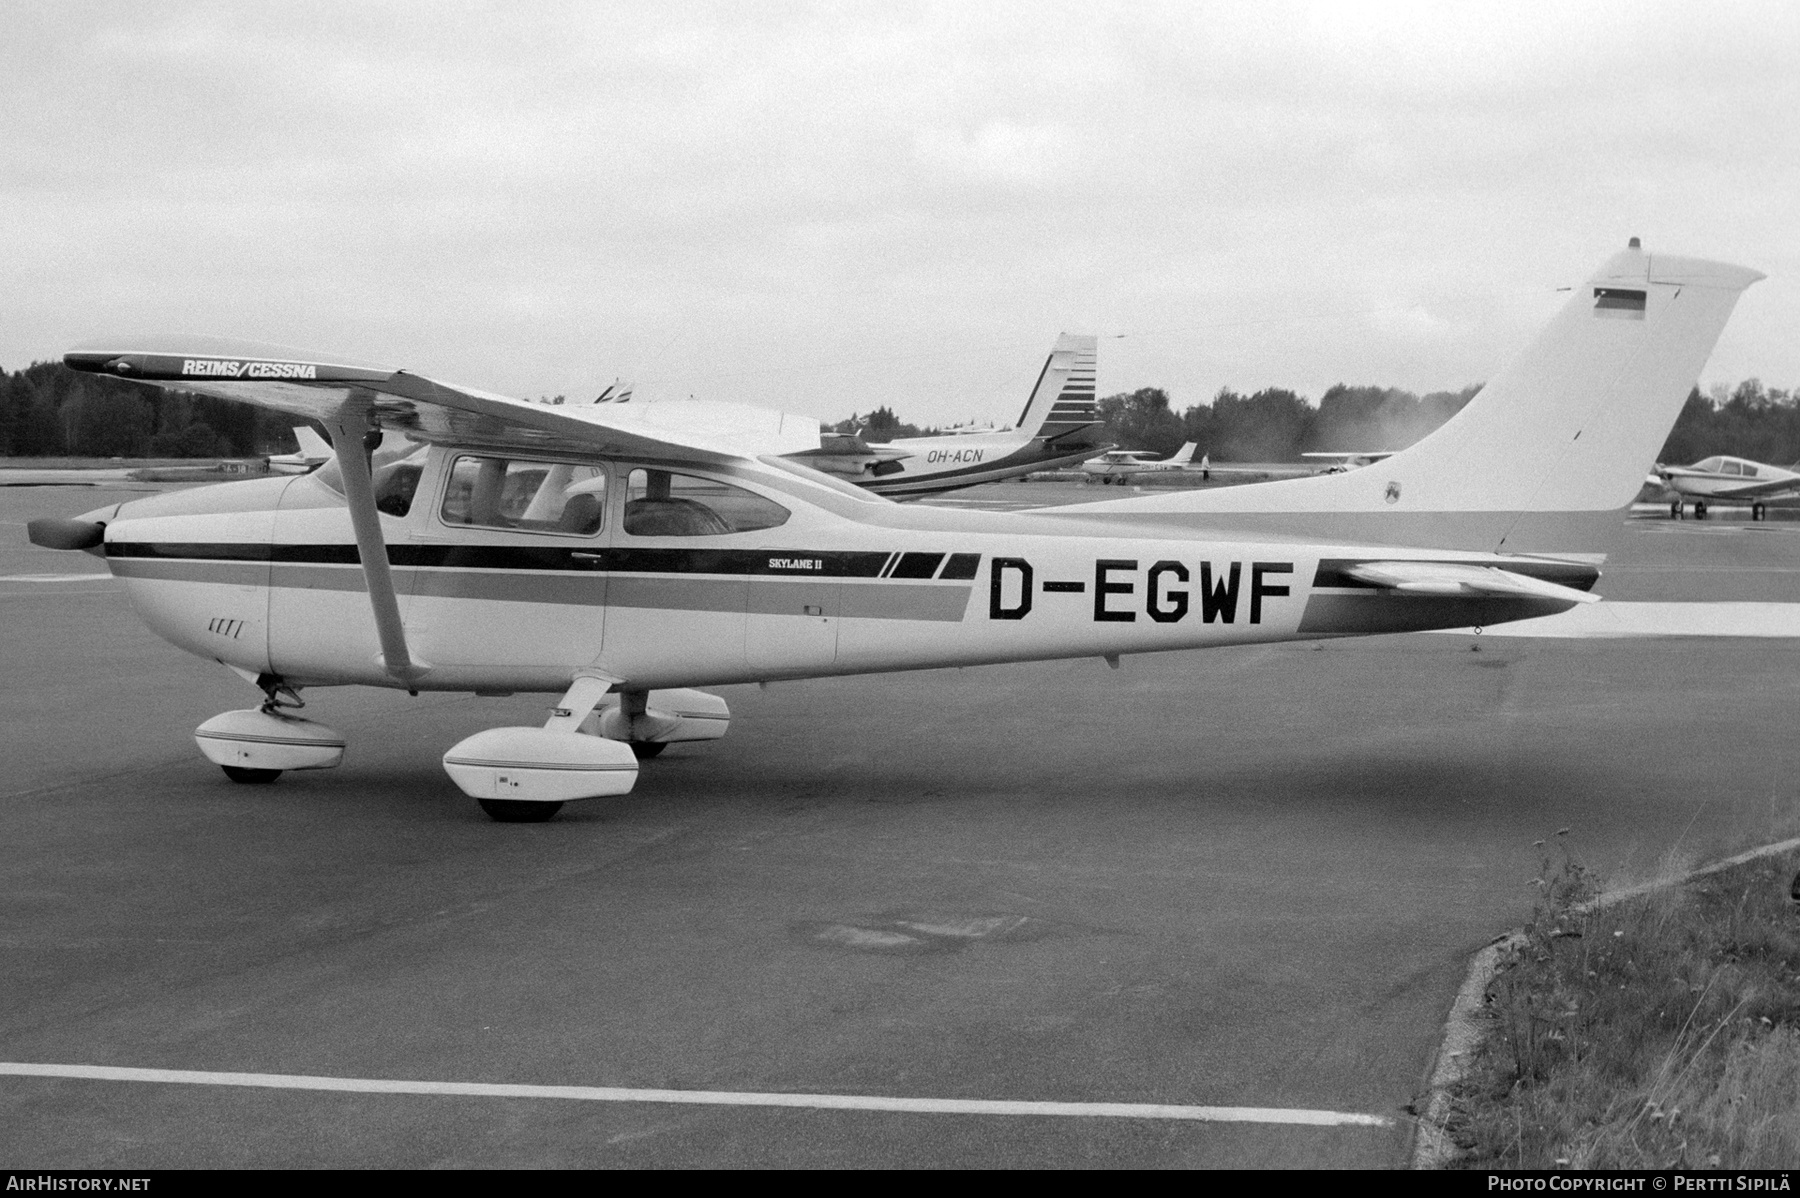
(312, 445)
(1185, 455)
(1063, 401)
(1544, 458)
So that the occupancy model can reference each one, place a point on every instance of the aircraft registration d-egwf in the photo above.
(1730, 479)
(620, 561)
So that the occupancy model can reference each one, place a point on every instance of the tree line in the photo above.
(48, 410)
(1278, 425)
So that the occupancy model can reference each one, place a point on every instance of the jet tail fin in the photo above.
(312, 445)
(1543, 459)
(1062, 401)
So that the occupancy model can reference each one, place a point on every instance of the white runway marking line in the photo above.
(1624, 619)
(839, 1102)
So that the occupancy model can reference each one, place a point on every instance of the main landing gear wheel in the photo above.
(646, 749)
(1675, 510)
(1699, 509)
(1759, 511)
(518, 811)
(253, 777)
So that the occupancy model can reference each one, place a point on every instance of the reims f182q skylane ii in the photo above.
(622, 555)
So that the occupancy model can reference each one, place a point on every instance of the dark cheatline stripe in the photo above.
(1065, 588)
(828, 564)
(231, 573)
(1389, 612)
(903, 601)
(1331, 572)
(862, 599)
(234, 551)
(961, 566)
(917, 565)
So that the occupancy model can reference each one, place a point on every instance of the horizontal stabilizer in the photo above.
(1450, 578)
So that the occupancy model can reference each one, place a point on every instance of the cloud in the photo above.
(780, 203)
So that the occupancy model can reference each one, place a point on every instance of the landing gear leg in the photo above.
(276, 696)
(1759, 511)
(632, 705)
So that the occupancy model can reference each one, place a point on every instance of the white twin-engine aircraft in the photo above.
(1059, 426)
(619, 560)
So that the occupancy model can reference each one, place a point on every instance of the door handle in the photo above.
(586, 556)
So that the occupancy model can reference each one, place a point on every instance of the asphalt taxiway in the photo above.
(1246, 879)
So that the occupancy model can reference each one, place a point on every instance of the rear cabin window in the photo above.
(659, 503)
(552, 497)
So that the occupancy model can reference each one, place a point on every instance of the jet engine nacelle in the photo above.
(540, 765)
(254, 739)
(669, 717)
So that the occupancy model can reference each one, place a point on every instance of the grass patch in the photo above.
(1661, 1031)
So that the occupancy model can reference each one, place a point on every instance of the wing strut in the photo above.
(350, 427)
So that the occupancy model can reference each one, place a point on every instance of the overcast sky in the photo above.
(825, 208)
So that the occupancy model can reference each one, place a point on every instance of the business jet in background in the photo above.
(1059, 426)
(1733, 480)
(314, 452)
(1117, 465)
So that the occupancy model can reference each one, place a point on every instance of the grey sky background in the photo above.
(827, 208)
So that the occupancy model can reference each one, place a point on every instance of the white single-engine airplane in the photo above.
(1121, 464)
(496, 546)
(1059, 426)
(1730, 479)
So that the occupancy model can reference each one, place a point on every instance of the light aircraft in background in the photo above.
(1059, 426)
(1342, 462)
(619, 557)
(314, 452)
(1734, 480)
(1117, 465)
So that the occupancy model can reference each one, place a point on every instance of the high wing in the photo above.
(1767, 489)
(319, 386)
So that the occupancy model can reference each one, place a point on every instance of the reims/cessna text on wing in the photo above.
(1059, 426)
(619, 562)
(1733, 480)
(1119, 464)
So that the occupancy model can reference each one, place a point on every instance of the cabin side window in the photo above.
(545, 497)
(660, 503)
